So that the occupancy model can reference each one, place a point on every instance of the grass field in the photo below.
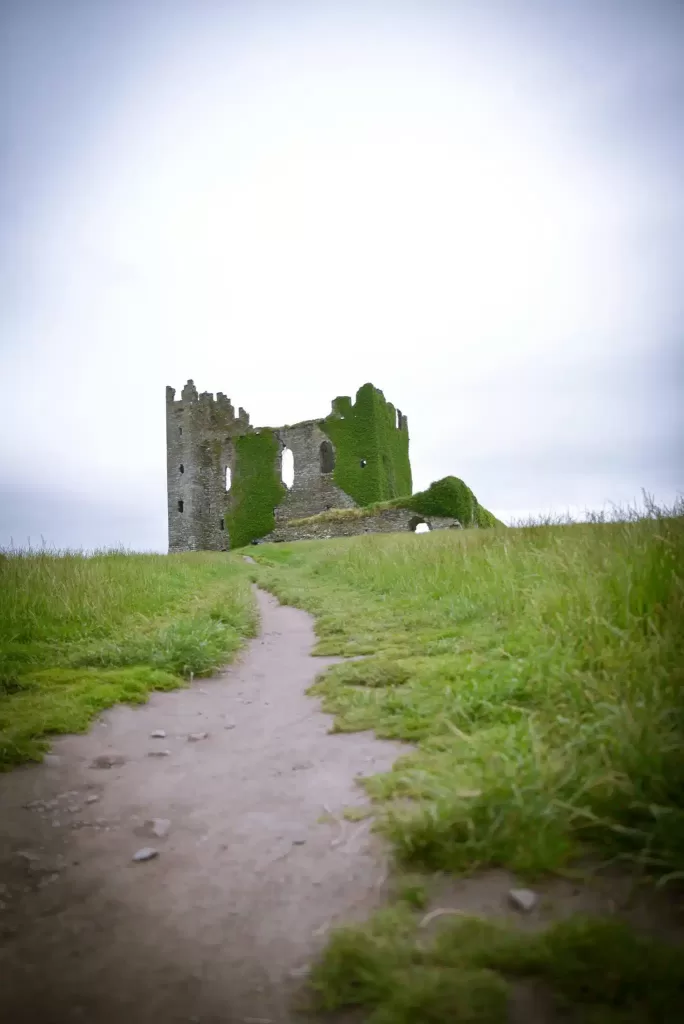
(539, 671)
(78, 634)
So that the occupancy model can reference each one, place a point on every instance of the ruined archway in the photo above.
(327, 456)
(419, 525)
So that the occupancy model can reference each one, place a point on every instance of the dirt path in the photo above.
(218, 926)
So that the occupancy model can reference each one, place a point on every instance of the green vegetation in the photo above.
(539, 672)
(372, 460)
(79, 634)
(451, 497)
(256, 489)
(597, 968)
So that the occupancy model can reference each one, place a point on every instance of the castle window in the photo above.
(287, 467)
(363, 463)
(419, 525)
(327, 456)
(180, 430)
(180, 506)
(181, 468)
(229, 478)
(222, 525)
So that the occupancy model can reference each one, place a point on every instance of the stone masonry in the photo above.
(200, 432)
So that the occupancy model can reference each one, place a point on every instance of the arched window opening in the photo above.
(180, 506)
(229, 478)
(181, 468)
(222, 525)
(287, 467)
(419, 525)
(327, 455)
(180, 431)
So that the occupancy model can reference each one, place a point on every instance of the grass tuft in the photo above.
(466, 972)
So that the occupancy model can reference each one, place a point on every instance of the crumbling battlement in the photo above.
(225, 477)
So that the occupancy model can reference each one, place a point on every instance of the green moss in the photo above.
(452, 497)
(256, 488)
(372, 459)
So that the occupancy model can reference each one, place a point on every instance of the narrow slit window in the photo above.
(222, 525)
(180, 431)
(181, 468)
(180, 506)
(229, 478)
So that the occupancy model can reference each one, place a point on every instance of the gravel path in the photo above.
(237, 880)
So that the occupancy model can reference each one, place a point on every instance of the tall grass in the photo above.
(540, 671)
(78, 633)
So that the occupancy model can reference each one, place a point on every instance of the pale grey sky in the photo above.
(476, 206)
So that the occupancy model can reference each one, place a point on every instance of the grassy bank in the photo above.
(538, 670)
(588, 971)
(78, 634)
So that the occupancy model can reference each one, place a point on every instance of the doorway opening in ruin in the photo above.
(419, 525)
(287, 467)
(327, 454)
(229, 478)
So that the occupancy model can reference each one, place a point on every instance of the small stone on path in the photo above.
(158, 734)
(158, 753)
(523, 899)
(108, 761)
(299, 841)
(194, 736)
(92, 799)
(147, 853)
(29, 856)
(160, 827)
(230, 725)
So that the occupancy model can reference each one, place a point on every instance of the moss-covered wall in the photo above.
(256, 487)
(371, 451)
(451, 497)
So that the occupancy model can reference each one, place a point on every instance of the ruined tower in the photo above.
(225, 477)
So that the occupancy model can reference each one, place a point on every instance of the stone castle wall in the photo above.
(200, 435)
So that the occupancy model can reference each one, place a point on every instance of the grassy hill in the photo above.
(538, 670)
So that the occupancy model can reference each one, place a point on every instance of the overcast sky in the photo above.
(477, 206)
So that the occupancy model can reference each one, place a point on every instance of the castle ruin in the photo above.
(224, 476)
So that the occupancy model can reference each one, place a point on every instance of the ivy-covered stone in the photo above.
(257, 488)
(371, 447)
